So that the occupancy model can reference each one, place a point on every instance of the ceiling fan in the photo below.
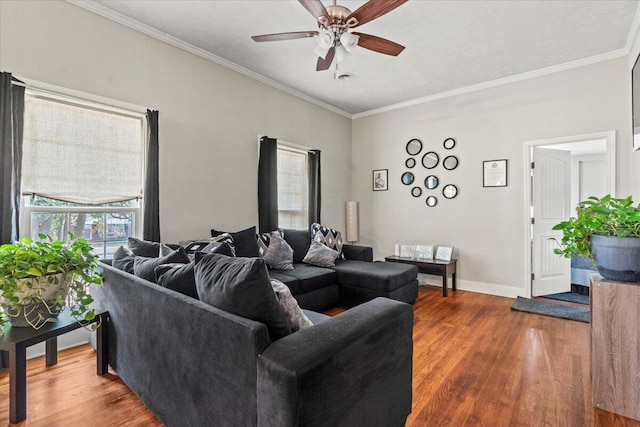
(335, 38)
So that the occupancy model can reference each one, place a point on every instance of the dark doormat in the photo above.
(580, 314)
(570, 297)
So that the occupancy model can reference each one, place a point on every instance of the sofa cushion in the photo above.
(299, 240)
(244, 241)
(297, 319)
(180, 278)
(309, 278)
(320, 255)
(144, 267)
(241, 286)
(123, 259)
(376, 276)
(279, 255)
(282, 276)
(144, 247)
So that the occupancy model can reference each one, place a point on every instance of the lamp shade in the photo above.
(325, 39)
(341, 53)
(349, 41)
(352, 221)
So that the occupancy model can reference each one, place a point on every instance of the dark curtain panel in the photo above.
(11, 125)
(151, 199)
(314, 186)
(268, 185)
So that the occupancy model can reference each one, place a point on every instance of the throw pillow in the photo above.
(164, 250)
(180, 278)
(144, 267)
(299, 241)
(241, 286)
(279, 254)
(320, 255)
(123, 259)
(263, 240)
(244, 241)
(297, 319)
(327, 236)
(143, 247)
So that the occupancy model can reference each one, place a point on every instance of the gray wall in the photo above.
(210, 116)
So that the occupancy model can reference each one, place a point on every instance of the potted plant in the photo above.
(37, 278)
(607, 230)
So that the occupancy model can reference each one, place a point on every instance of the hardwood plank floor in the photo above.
(476, 363)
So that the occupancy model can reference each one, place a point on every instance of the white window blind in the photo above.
(80, 154)
(292, 189)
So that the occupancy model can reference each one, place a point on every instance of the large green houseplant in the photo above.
(607, 230)
(37, 278)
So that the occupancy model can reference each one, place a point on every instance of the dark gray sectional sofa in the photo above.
(195, 365)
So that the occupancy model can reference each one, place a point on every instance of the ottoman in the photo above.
(362, 281)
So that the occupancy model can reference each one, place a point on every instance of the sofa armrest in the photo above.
(353, 369)
(358, 253)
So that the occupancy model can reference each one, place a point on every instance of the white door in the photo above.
(551, 205)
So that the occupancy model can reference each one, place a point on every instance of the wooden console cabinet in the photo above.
(615, 346)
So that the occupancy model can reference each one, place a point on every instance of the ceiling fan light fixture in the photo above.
(349, 41)
(341, 53)
(321, 52)
(325, 39)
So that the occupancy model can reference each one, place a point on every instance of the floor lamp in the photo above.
(352, 221)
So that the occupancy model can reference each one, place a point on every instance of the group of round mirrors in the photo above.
(430, 160)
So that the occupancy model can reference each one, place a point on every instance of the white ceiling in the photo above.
(450, 45)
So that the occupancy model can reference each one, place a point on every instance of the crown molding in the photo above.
(633, 31)
(498, 82)
(105, 12)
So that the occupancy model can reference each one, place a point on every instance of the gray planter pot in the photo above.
(617, 258)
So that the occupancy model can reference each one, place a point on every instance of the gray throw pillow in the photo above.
(144, 267)
(178, 277)
(279, 254)
(297, 319)
(123, 259)
(241, 286)
(144, 247)
(320, 255)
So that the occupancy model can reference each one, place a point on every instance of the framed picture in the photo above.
(444, 253)
(424, 251)
(380, 181)
(407, 251)
(494, 173)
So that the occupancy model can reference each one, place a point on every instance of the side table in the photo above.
(433, 266)
(16, 340)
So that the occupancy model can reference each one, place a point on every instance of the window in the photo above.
(292, 188)
(82, 171)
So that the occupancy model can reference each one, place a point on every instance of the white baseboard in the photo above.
(69, 340)
(469, 285)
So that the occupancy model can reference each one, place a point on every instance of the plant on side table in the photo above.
(607, 230)
(38, 278)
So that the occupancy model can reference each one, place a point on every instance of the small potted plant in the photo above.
(607, 230)
(38, 278)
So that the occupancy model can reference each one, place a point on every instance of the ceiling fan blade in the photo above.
(284, 36)
(324, 64)
(316, 8)
(378, 44)
(373, 9)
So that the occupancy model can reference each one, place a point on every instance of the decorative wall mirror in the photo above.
(411, 162)
(449, 143)
(450, 162)
(431, 182)
(416, 191)
(407, 178)
(432, 201)
(430, 160)
(450, 191)
(414, 147)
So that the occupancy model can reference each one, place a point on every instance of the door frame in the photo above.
(608, 136)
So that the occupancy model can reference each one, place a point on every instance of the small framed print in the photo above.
(424, 251)
(380, 181)
(494, 173)
(407, 251)
(444, 253)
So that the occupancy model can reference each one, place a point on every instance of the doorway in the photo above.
(563, 171)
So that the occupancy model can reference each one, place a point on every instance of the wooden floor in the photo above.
(476, 363)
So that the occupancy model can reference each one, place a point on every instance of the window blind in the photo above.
(292, 189)
(80, 154)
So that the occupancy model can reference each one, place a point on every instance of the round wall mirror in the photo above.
(449, 143)
(431, 182)
(450, 191)
(450, 162)
(411, 162)
(430, 160)
(416, 191)
(414, 147)
(432, 201)
(407, 178)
